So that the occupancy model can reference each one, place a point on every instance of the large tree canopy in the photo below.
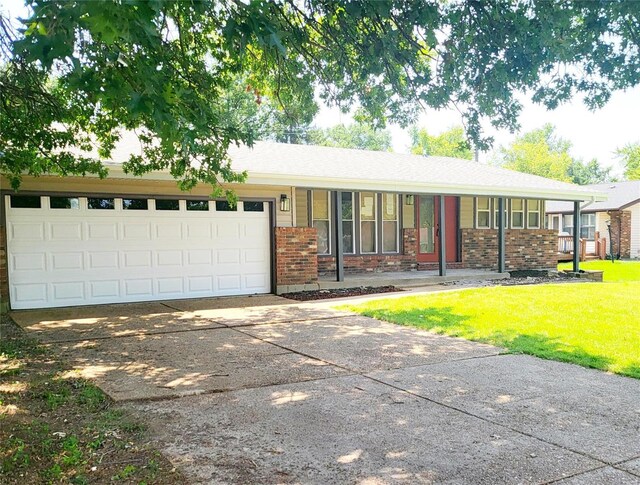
(630, 157)
(78, 73)
(542, 152)
(355, 135)
(450, 143)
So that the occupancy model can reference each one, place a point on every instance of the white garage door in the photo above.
(65, 251)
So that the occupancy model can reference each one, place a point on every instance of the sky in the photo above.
(594, 134)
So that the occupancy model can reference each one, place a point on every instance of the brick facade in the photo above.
(525, 248)
(405, 261)
(296, 255)
(621, 233)
(4, 278)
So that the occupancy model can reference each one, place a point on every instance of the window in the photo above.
(567, 223)
(64, 202)
(25, 201)
(135, 204)
(320, 220)
(368, 213)
(483, 212)
(225, 206)
(97, 203)
(197, 205)
(348, 240)
(495, 213)
(167, 205)
(533, 214)
(517, 213)
(253, 206)
(389, 223)
(588, 226)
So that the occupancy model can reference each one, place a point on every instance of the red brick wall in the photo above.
(4, 278)
(621, 233)
(405, 261)
(296, 255)
(525, 248)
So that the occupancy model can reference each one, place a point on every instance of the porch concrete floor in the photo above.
(408, 279)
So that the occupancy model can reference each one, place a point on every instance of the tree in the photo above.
(630, 157)
(451, 143)
(538, 152)
(77, 74)
(591, 172)
(355, 135)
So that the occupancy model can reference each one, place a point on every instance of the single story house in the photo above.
(304, 212)
(621, 211)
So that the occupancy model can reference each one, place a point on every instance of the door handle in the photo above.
(438, 230)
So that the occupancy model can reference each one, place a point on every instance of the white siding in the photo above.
(635, 231)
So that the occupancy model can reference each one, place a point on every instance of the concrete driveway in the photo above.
(259, 390)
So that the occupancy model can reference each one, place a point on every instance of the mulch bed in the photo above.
(339, 292)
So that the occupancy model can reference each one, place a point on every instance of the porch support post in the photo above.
(576, 236)
(337, 217)
(501, 231)
(442, 252)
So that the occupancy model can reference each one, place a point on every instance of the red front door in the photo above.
(428, 225)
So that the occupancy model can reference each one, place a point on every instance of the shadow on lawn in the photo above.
(445, 321)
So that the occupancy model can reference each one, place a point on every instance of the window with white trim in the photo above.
(483, 212)
(320, 210)
(389, 223)
(533, 214)
(588, 226)
(368, 222)
(517, 213)
(567, 223)
(348, 224)
(495, 213)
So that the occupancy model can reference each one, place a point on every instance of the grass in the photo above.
(58, 428)
(616, 271)
(591, 324)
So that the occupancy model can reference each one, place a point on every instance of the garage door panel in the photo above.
(168, 230)
(103, 259)
(136, 259)
(102, 231)
(63, 258)
(66, 261)
(73, 290)
(65, 231)
(104, 289)
(136, 231)
(25, 231)
(28, 262)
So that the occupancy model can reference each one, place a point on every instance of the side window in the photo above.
(25, 202)
(390, 223)
(368, 222)
(135, 204)
(533, 214)
(483, 212)
(197, 205)
(167, 205)
(320, 220)
(517, 213)
(495, 213)
(348, 226)
(64, 202)
(101, 203)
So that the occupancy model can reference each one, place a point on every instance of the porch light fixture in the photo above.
(408, 199)
(285, 203)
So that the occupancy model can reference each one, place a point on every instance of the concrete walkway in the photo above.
(259, 390)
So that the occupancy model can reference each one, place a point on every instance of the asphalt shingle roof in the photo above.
(620, 195)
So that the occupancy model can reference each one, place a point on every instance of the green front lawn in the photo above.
(590, 324)
(616, 271)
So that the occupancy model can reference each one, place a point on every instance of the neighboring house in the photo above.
(621, 210)
(74, 240)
